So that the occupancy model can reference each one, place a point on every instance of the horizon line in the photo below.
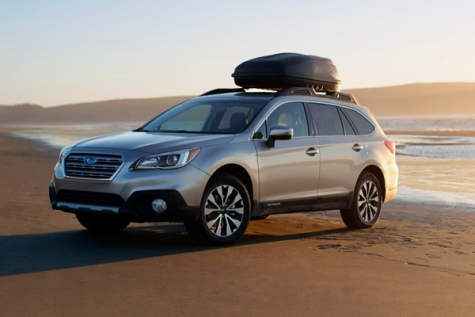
(194, 95)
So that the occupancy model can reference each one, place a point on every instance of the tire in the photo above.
(366, 206)
(224, 212)
(102, 223)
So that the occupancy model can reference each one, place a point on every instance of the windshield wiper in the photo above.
(176, 131)
(140, 130)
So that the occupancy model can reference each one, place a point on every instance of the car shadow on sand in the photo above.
(32, 253)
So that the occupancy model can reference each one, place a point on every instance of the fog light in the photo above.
(159, 205)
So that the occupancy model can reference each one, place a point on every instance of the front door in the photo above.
(288, 172)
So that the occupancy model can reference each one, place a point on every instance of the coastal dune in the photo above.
(419, 99)
(405, 100)
(101, 111)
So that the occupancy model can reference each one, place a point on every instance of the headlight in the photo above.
(167, 160)
(61, 156)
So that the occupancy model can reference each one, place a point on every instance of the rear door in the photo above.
(342, 152)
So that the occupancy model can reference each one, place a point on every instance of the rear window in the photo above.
(363, 125)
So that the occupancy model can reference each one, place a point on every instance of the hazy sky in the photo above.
(61, 52)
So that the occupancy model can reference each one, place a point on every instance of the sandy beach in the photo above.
(419, 259)
(166, 105)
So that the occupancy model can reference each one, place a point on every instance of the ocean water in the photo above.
(435, 123)
(408, 148)
(449, 147)
(61, 135)
(456, 148)
(432, 146)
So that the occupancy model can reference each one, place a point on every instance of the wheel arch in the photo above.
(239, 172)
(376, 171)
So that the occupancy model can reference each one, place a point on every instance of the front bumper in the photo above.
(137, 208)
(130, 192)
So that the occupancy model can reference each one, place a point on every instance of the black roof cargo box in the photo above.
(288, 70)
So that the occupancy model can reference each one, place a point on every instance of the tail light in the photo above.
(390, 145)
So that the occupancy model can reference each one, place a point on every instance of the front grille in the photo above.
(104, 166)
(91, 198)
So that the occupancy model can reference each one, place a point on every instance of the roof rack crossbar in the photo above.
(307, 91)
(222, 91)
(343, 97)
(302, 91)
(310, 91)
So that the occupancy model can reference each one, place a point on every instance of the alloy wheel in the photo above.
(368, 201)
(224, 210)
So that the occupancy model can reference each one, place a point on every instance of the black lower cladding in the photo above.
(90, 198)
(319, 203)
(138, 208)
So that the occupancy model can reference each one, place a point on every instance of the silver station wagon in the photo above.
(219, 160)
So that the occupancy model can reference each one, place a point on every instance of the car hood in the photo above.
(152, 142)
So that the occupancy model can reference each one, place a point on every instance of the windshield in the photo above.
(207, 116)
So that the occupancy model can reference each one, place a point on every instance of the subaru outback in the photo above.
(217, 161)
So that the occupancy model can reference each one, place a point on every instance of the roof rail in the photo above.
(222, 91)
(343, 96)
(302, 91)
(306, 91)
(310, 91)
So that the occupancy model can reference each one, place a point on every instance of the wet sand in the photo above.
(449, 133)
(418, 260)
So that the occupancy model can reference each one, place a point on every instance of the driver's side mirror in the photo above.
(279, 134)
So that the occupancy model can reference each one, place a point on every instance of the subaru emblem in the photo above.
(90, 160)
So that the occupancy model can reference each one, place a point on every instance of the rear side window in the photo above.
(361, 123)
(346, 124)
(327, 120)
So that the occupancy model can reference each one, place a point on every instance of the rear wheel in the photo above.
(366, 207)
(102, 223)
(224, 211)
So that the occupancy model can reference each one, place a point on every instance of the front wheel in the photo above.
(102, 223)
(366, 206)
(224, 211)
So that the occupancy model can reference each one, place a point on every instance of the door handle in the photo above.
(312, 151)
(357, 147)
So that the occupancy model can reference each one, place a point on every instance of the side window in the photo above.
(289, 115)
(327, 120)
(261, 133)
(361, 123)
(346, 124)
